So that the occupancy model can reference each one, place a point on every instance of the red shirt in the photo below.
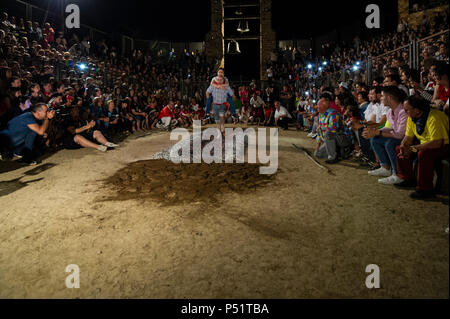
(442, 93)
(268, 110)
(336, 108)
(166, 112)
(200, 112)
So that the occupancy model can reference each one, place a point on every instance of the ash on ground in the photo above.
(230, 150)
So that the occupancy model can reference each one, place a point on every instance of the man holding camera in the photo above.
(18, 138)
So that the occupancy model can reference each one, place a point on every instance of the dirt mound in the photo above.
(173, 184)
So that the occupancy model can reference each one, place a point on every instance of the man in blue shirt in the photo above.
(19, 137)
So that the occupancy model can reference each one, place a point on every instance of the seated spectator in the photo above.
(113, 124)
(166, 119)
(22, 130)
(257, 105)
(36, 95)
(82, 134)
(98, 113)
(127, 119)
(268, 114)
(431, 128)
(281, 116)
(310, 117)
(394, 80)
(300, 110)
(138, 111)
(152, 111)
(440, 99)
(186, 116)
(385, 140)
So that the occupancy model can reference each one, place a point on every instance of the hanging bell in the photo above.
(239, 28)
(243, 26)
(247, 29)
(233, 47)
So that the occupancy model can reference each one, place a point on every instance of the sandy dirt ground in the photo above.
(301, 233)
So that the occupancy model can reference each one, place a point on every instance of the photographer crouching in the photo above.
(18, 139)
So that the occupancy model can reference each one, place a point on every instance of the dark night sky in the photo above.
(189, 19)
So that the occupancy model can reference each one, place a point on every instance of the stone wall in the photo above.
(267, 36)
(416, 18)
(214, 43)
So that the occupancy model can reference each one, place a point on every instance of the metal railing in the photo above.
(415, 59)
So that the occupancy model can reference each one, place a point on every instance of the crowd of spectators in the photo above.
(396, 123)
(70, 92)
(58, 92)
(343, 61)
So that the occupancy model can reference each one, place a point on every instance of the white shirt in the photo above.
(282, 112)
(194, 107)
(258, 102)
(375, 108)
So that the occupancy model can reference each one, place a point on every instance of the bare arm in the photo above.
(430, 145)
(39, 129)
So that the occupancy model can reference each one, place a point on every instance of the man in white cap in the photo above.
(343, 85)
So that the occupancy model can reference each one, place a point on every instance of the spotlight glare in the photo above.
(310, 66)
(82, 66)
(325, 63)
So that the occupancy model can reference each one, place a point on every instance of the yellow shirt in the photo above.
(436, 128)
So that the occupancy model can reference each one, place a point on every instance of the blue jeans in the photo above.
(384, 147)
(209, 101)
(314, 127)
(365, 146)
(300, 119)
(218, 109)
(19, 144)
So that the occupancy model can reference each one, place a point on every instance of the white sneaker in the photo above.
(109, 144)
(383, 172)
(310, 134)
(102, 148)
(391, 180)
(314, 135)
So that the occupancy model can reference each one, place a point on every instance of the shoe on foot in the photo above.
(406, 184)
(102, 148)
(109, 144)
(17, 156)
(357, 154)
(422, 194)
(383, 172)
(391, 180)
(314, 135)
(332, 161)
